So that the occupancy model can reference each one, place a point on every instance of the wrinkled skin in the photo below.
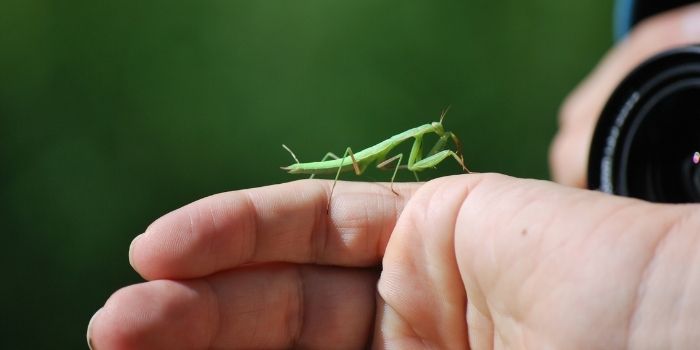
(475, 261)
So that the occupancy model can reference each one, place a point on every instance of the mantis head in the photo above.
(437, 126)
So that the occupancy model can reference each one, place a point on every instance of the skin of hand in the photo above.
(474, 261)
(484, 259)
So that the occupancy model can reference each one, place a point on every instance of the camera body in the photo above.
(647, 140)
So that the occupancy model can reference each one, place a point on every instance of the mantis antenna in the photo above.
(292, 153)
(444, 113)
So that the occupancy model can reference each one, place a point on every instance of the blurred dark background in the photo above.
(113, 113)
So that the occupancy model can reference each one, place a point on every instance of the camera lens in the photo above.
(647, 141)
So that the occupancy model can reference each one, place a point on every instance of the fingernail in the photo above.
(87, 334)
(131, 249)
(691, 22)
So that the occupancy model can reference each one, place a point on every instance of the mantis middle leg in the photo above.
(396, 168)
(415, 155)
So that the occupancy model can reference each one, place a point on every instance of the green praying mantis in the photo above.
(360, 161)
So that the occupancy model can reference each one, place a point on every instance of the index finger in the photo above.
(279, 223)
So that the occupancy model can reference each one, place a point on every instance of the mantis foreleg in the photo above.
(440, 145)
(435, 159)
(416, 150)
(416, 154)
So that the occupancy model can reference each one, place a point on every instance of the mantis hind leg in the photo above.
(328, 155)
(355, 166)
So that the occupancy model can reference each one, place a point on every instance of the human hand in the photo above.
(530, 263)
(578, 115)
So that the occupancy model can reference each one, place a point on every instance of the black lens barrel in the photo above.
(647, 140)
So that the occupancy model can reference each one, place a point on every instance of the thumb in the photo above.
(548, 266)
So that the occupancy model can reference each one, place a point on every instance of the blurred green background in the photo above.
(113, 113)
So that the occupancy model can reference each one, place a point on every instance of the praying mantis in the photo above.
(359, 161)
